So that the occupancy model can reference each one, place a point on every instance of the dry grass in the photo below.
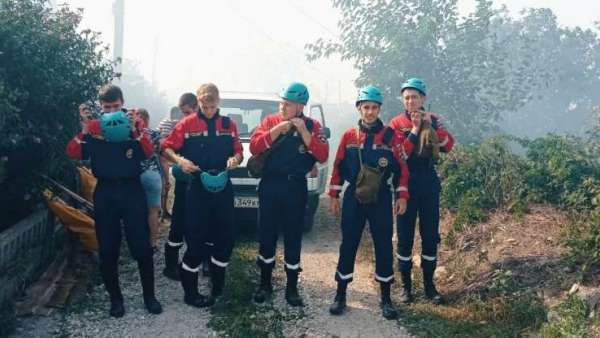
(498, 276)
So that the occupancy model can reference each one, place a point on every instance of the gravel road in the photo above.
(320, 250)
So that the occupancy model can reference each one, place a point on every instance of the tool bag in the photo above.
(256, 163)
(368, 180)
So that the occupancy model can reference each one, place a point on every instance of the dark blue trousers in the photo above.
(424, 204)
(281, 208)
(380, 218)
(178, 215)
(209, 218)
(116, 201)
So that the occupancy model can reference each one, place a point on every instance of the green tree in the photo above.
(47, 68)
(466, 63)
(568, 58)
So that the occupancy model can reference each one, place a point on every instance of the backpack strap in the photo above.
(309, 124)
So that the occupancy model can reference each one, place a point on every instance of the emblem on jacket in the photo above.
(129, 153)
(302, 149)
(383, 162)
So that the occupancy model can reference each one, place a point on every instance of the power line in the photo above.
(269, 37)
(310, 17)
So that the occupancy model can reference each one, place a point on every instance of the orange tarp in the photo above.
(88, 183)
(75, 220)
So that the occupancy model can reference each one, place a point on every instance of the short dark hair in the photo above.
(190, 99)
(110, 93)
(175, 113)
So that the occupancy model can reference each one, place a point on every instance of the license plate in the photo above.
(246, 202)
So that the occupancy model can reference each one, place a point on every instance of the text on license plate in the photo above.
(246, 202)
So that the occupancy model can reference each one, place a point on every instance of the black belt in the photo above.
(288, 177)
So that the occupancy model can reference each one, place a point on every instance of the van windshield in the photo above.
(246, 113)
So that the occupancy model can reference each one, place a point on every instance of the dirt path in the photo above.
(87, 316)
(319, 258)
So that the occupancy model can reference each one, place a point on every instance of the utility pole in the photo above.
(154, 53)
(119, 15)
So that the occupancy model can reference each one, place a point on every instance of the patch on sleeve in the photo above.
(321, 137)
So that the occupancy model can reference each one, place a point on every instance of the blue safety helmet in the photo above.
(295, 92)
(369, 93)
(214, 182)
(415, 83)
(115, 126)
(180, 175)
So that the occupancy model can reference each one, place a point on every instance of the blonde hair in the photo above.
(208, 93)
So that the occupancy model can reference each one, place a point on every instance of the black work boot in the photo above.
(110, 277)
(146, 268)
(339, 303)
(291, 290)
(189, 282)
(266, 288)
(406, 291)
(430, 291)
(388, 310)
(171, 269)
(217, 277)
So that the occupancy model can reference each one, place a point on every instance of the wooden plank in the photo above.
(39, 293)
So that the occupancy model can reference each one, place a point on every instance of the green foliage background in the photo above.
(47, 68)
(487, 71)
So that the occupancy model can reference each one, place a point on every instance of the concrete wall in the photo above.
(26, 250)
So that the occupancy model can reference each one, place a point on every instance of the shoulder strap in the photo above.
(357, 133)
(309, 124)
(225, 122)
(388, 135)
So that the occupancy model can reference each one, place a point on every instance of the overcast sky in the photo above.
(254, 45)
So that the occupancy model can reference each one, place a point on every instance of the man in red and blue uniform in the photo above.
(424, 187)
(282, 191)
(119, 196)
(374, 145)
(207, 143)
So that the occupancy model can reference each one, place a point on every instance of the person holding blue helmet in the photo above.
(282, 191)
(424, 187)
(208, 145)
(116, 147)
(188, 105)
(368, 155)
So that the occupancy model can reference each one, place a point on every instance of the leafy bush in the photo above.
(565, 171)
(571, 321)
(583, 240)
(481, 178)
(560, 171)
(47, 68)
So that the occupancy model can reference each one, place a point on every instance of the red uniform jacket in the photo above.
(403, 125)
(261, 138)
(376, 154)
(74, 147)
(206, 142)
